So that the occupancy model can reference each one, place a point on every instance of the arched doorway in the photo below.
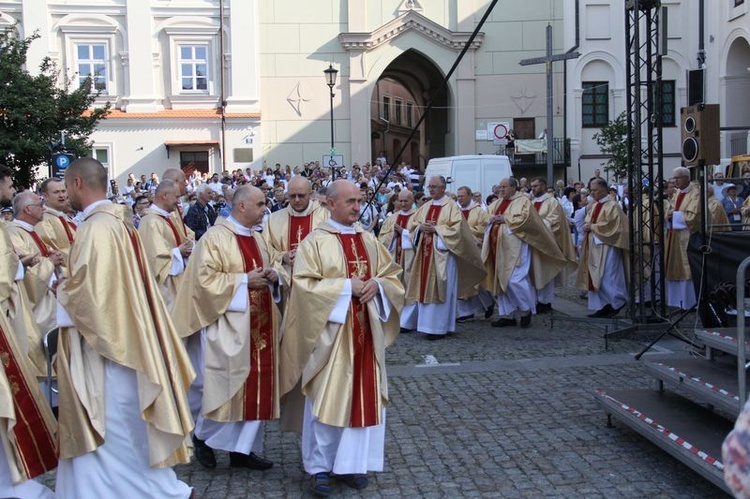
(400, 95)
(737, 83)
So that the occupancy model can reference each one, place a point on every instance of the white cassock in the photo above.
(613, 289)
(436, 318)
(680, 294)
(119, 467)
(24, 490)
(343, 450)
(520, 294)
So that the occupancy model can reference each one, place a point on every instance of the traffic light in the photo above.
(60, 163)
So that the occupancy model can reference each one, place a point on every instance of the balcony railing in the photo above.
(533, 153)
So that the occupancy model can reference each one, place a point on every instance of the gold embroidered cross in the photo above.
(299, 234)
(360, 265)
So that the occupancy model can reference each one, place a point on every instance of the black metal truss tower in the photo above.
(645, 165)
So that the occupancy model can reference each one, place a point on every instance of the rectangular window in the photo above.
(409, 114)
(398, 111)
(194, 68)
(92, 63)
(387, 108)
(668, 103)
(595, 105)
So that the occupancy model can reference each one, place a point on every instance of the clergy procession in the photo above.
(127, 351)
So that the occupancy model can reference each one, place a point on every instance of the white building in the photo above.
(159, 63)
(597, 80)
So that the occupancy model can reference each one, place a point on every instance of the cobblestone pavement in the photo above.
(493, 413)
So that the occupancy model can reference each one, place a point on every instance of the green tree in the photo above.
(613, 140)
(34, 109)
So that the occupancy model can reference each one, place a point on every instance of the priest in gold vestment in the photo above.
(229, 289)
(684, 216)
(122, 370)
(343, 312)
(447, 263)
(602, 270)
(57, 230)
(395, 236)
(478, 299)
(286, 228)
(520, 254)
(551, 212)
(166, 249)
(28, 445)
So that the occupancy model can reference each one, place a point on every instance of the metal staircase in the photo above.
(696, 401)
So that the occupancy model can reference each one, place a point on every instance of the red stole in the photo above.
(182, 220)
(176, 234)
(500, 210)
(426, 247)
(401, 221)
(259, 386)
(43, 249)
(538, 205)
(35, 448)
(594, 219)
(299, 228)
(680, 197)
(364, 409)
(465, 213)
(67, 225)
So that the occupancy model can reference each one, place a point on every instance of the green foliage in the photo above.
(35, 108)
(612, 140)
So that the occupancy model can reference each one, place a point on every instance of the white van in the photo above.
(478, 172)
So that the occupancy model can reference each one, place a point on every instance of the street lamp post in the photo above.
(331, 75)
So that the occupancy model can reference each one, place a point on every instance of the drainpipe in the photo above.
(565, 81)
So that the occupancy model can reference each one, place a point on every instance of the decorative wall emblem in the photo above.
(523, 99)
(296, 98)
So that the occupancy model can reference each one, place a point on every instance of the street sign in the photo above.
(336, 161)
(497, 130)
(61, 162)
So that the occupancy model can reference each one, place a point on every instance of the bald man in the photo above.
(288, 227)
(123, 373)
(343, 313)
(231, 291)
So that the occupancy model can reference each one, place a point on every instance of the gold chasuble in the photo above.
(160, 236)
(119, 315)
(340, 367)
(428, 281)
(36, 279)
(686, 202)
(57, 231)
(27, 426)
(241, 366)
(609, 225)
(553, 216)
(501, 249)
(287, 228)
(392, 240)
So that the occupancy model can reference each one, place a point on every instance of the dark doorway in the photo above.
(191, 161)
(398, 100)
(524, 128)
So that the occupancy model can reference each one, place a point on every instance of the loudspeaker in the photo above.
(700, 134)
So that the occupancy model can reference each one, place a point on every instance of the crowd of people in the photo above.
(190, 310)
